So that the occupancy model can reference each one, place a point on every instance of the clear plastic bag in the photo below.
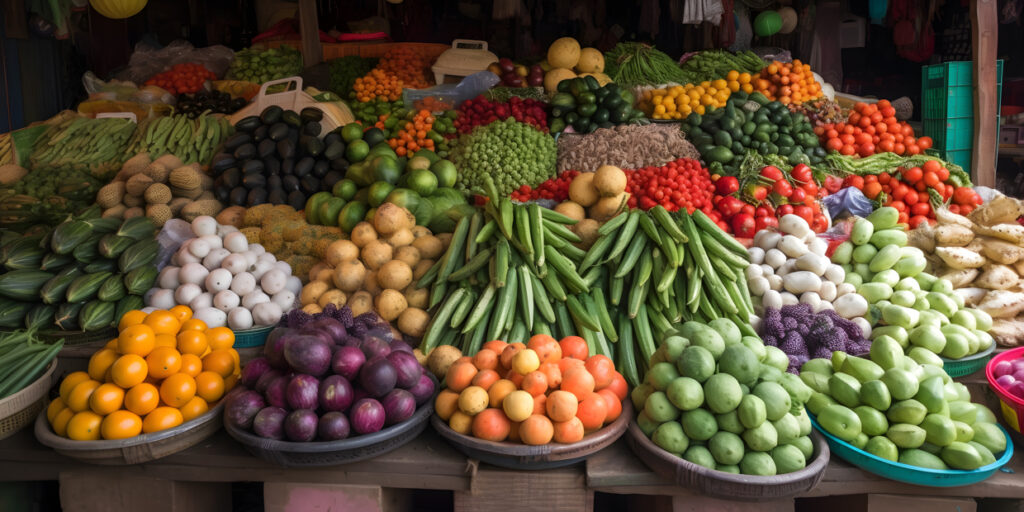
(769, 54)
(849, 201)
(147, 61)
(449, 96)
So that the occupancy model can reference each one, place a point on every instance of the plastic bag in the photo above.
(837, 234)
(849, 201)
(449, 96)
(769, 54)
(147, 61)
(174, 233)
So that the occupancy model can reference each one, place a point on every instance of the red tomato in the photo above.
(833, 184)
(765, 222)
(798, 195)
(921, 209)
(782, 188)
(942, 173)
(727, 185)
(904, 218)
(785, 209)
(899, 205)
(916, 220)
(748, 209)
(771, 172)
(819, 224)
(912, 175)
(910, 199)
(801, 173)
(744, 226)
(963, 195)
(856, 182)
(804, 212)
(924, 142)
(761, 211)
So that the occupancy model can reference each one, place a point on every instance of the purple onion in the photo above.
(423, 391)
(374, 346)
(407, 368)
(253, 370)
(367, 416)
(334, 329)
(273, 348)
(1005, 381)
(277, 392)
(303, 391)
(400, 346)
(307, 354)
(1001, 368)
(347, 361)
(335, 394)
(378, 377)
(399, 405)
(333, 426)
(241, 409)
(264, 381)
(301, 425)
(269, 422)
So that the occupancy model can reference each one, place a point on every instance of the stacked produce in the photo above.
(160, 189)
(215, 102)
(374, 175)
(533, 393)
(265, 65)
(897, 408)
(420, 130)
(639, 64)
(345, 70)
(788, 82)
(752, 123)
(981, 255)
(374, 270)
(186, 77)
(585, 105)
(82, 275)
(629, 146)
(518, 75)
(711, 65)
(92, 146)
(763, 198)
(679, 101)
(910, 306)
(1010, 377)
(277, 158)
(190, 138)
(917, 190)
(568, 60)
(720, 399)
(802, 333)
(370, 112)
(480, 111)
(377, 85)
(410, 64)
(790, 267)
(283, 232)
(164, 368)
(225, 280)
(872, 129)
(331, 378)
(25, 358)
(509, 152)
(819, 112)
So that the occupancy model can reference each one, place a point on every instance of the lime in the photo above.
(788, 458)
(751, 411)
(373, 136)
(787, 428)
(700, 455)
(351, 132)
(669, 436)
(356, 151)
(762, 438)
(740, 362)
(685, 393)
(639, 395)
(728, 468)
(699, 424)
(701, 335)
(445, 172)
(646, 424)
(805, 445)
(881, 446)
(776, 399)
(422, 181)
(697, 363)
(730, 422)
(379, 192)
(659, 409)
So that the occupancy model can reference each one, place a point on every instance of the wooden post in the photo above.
(309, 27)
(984, 27)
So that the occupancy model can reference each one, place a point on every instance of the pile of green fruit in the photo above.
(82, 275)
(723, 136)
(915, 309)
(509, 152)
(260, 66)
(900, 410)
(724, 401)
(585, 105)
(375, 175)
(345, 70)
(369, 112)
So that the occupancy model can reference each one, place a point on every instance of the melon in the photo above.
(551, 78)
(564, 53)
(591, 61)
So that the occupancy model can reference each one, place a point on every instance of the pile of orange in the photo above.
(788, 82)
(163, 369)
(410, 64)
(543, 391)
(378, 85)
(413, 135)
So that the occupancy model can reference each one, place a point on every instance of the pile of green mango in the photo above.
(722, 400)
(901, 410)
(907, 304)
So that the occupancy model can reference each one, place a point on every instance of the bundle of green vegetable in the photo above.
(585, 105)
(191, 140)
(265, 65)
(96, 146)
(878, 163)
(510, 152)
(714, 64)
(369, 112)
(23, 360)
(345, 70)
(514, 270)
(633, 64)
(82, 275)
(752, 123)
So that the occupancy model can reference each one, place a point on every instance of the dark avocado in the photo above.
(266, 148)
(311, 114)
(330, 179)
(309, 184)
(254, 181)
(291, 118)
(237, 140)
(290, 183)
(271, 114)
(277, 196)
(245, 152)
(253, 167)
(238, 196)
(257, 196)
(285, 149)
(304, 167)
(273, 182)
(296, 199)
(261, 133)
(222, 161)
(287, 167)
(232, 178)
(320, 168)
(248, 124)
(311, 129)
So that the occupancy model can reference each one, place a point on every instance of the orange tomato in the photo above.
(136, 339)
(220, 338)
(121, 425)
(194, 409)
(60, 421)
(129, 370)
(191, 364)
(162, 418)
(56, 406)
(181, 312)
(192, 342)
(73, 379)
(78, 398)
(178, 389)
(193, 324)
(133, 317)
(100, 362)
(166, 340)
(106, 399)
(209, 386)
(84, 426)
(142, 398)
(163, 322)
(163, 362)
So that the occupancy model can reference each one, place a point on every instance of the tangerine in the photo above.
(136, 339)
(574, 347)
(106, 399)
(220, 338)
(192, 342)
(568, 431)
(193, 324)
(613, 404)
(166, 340)
(498, 391)
(142, 398)
(602, 369)
(486, 359)
(592, 411)
(163, 362)
(547, 348)
(121, 425)
(194, 409)
(485, 378)
(496, 346)
(536, 430)
(56, 406)
(161, 418)
(210, 386)
(100, 362)
(461, 422)
(220, 361)
(460, 376)
(535, 383)
(84, 426)
(60, 422)
(73, 379)
(163, 322)
(578, 381)
(561, 405)
(78, 397)
(510, 350)
(446, 403)
(491, 425)
(191, 365)
(178, 389)
(129, 370)
(133, 317)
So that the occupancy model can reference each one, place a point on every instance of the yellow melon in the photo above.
(591, 61)
(551, 78)
(564, 53)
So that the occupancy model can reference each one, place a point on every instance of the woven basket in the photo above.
(17, 410)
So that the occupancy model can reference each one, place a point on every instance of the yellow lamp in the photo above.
(118, 9)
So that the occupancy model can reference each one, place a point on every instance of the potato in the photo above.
(349, 276)
(400, 238)
(231, 216)
(1009, 232)
(420, 357)
(609, 181)
(1007, 332)
(430, 246)
(339, 251)
(997, 277)
(325, 274)
(413, 321)
(1000, 210)
(311, 292)
(362, 234)
(959, 257)
(953, 235)
(408, 254)
(586, 229)
(336, 297)
(371, 284)
(421, 268)
(608, 207)
(360, 302)
(418, 231)
(395, 274)
(1001, 251)
(442, 358)
(391, 218)
(377, 253)
(445, 238)
(390, 304)
(417, 297)
(315, 270)
(571, 210)
(582, 190)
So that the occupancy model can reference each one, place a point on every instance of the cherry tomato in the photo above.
(766, 222)
(798, 195)
(921, 208)
(782, 188)
(785, 209)
(804, 212)
(727, 185)
(916, 221)
(801, 173)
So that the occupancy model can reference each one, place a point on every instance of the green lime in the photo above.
(788, 458)
(379, 192)
(697, 363)
(445, 172)
(722, 393)
(356, 151)
(758, 463)
(762, 438)
(700, 456)
(422, 181)
(669, 436)
(661, 375)
(685, 393)
(351, 132)
(726, 447)
(699, 424)
(658, 408)
(373, 136)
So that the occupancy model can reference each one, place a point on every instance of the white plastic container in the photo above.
(465, 57)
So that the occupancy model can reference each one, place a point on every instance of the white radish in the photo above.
(792, 246)
(775, 282)
(756, 255)
(253, 298)
(203, 300)
(168, 278)
(243, 283)
(851, 305)
(236, 242)
(186, 292)
(226, 300)
(218, 280)
(273, 281)
(801, 281)
(774, 257)
(199, 248)
(844, 288)
(753, 271)
(767, 239)
(812, 263)
(794, 225)
(235, 264)
(811, 298)
(204, 225)
(239, 319)
(215, 258)
(213, 317)
(266, 313)
(788, 299)
(758, 286)
(771, 299)
(835, 274)
(828, 291)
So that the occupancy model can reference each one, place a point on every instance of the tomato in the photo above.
(730, 206)
(856, 182)
(761, 211)
(758, 192)
(899, 205)
(765, 222)
(727, 185)
(819, 224)
(804, 212)
(912, 175)
(966, 208)
(866, 149)
(782, 188)
(771, 172)
(833, 184)
(899, 191)
(963, 195)
(871, 190)
(954, 208)
(748, 209)
(903, 218)
(942, 173)
(924, 142)
(744, 226)
(931, 178)
(798, 195)
(785, 209)
(884, 178)
(921, 208)
(911, 198)
(932, 166)
(916, 221)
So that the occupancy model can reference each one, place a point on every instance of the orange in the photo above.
(177, 389)
(112, 344)
(540, 404)
(192, 342)
(491, 425)
(498, 391)
(84, 426)
(547, 348)
(574, 347)
(460, 376)
(485, 378)
(163, 322)
(142, 398)
(129, 370)
(121, 425)
(612, 402)
(220, 337)
(191, 364)
(515, 377)
(619, 386)
(518, 405)
(133, 317)
(163, 362)
(553, 374)
(193, 324)
(194, 409)
(210, 386)
(229, 383)
(162, 418)
(56, 405)
(508, 353)
(592, 411)
(578, 381)
(602, 369)
(536, 430)
(568, 431)
(461, 422)
(106, 399)
(561, 405)
(219, 361)
(495, 346)
(78, 398)
(60, 422)
(535, 383)
(100, 362)
(136, 339)
(472, 400)
(73, 379)
(166, 340)
(181, 312)
(446, 403)
(486, 360)
(525, 361)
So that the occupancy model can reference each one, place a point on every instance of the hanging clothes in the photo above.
(912, 32)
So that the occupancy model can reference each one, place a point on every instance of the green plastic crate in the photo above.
(950, 134)
(947, 90)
